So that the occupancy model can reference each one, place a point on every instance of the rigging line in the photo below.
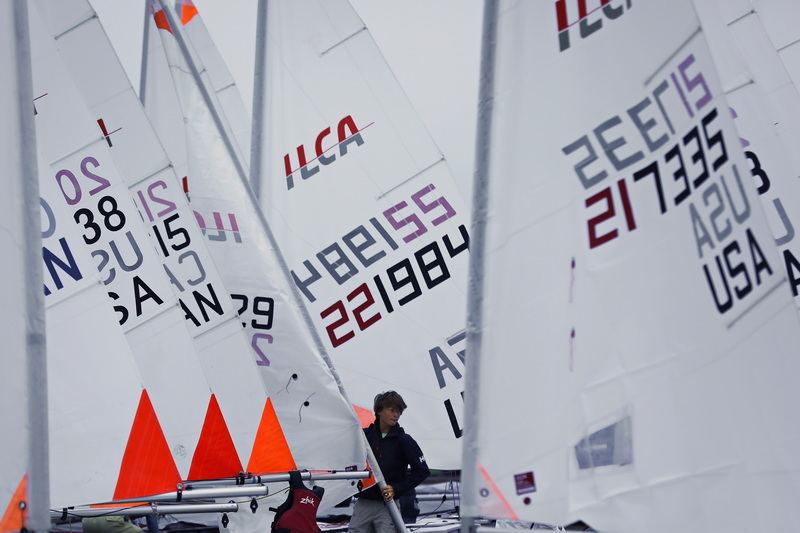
(695, 33)
(363, 28)
(81, 23)
(423, 171)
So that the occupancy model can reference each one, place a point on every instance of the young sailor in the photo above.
(400, 459)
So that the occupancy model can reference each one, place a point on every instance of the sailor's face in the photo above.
(389, 416)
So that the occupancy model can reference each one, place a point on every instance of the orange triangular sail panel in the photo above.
(271, 452)
(147, 466)
(365, 416)
(215, 456)
(187, 11)
(13, 518)
(161, 19)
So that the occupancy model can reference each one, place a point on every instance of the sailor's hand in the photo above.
(388, 492)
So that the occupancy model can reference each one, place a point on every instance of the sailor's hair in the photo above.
(388, 399)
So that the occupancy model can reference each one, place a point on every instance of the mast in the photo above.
(145, 51)
(259, 73)
(476, 259)
(38, 453)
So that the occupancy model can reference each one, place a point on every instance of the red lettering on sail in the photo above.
(589, 19)
(347, 133)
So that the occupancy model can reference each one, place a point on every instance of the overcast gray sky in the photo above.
(433, 47)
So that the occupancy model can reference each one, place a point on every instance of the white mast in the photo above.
(145, 51)
(480, 194)
(259, 72)
(38, 464)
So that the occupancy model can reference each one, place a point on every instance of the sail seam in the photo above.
(750, 81)
(772, 289)
(734, 21)
(145, 178)
(784, 47)
(167, 306)
(363, 28)
(423, 171)
(232, 316)
(680, 47)
(79, 149)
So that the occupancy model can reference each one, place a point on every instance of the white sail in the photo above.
(221, 81)
(754, 69)
(23, 463)
(635, 313)
(778, 21)
(312, 411)
(150, 265)
(157, 90)
(364, 208)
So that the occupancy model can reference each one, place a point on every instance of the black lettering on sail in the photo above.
(792, 270)
(725, 304)
(440, 363)
(451, 415)
(759, 261)
(66, 265)
(204, 304)
(142, 292)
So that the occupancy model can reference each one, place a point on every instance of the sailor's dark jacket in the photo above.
(399, 458)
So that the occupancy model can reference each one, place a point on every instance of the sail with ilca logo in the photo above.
(365, 210)
(630, 303)
(24, 472)
(304, 391)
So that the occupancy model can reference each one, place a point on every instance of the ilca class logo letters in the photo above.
(347, 133)
(590, 16)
